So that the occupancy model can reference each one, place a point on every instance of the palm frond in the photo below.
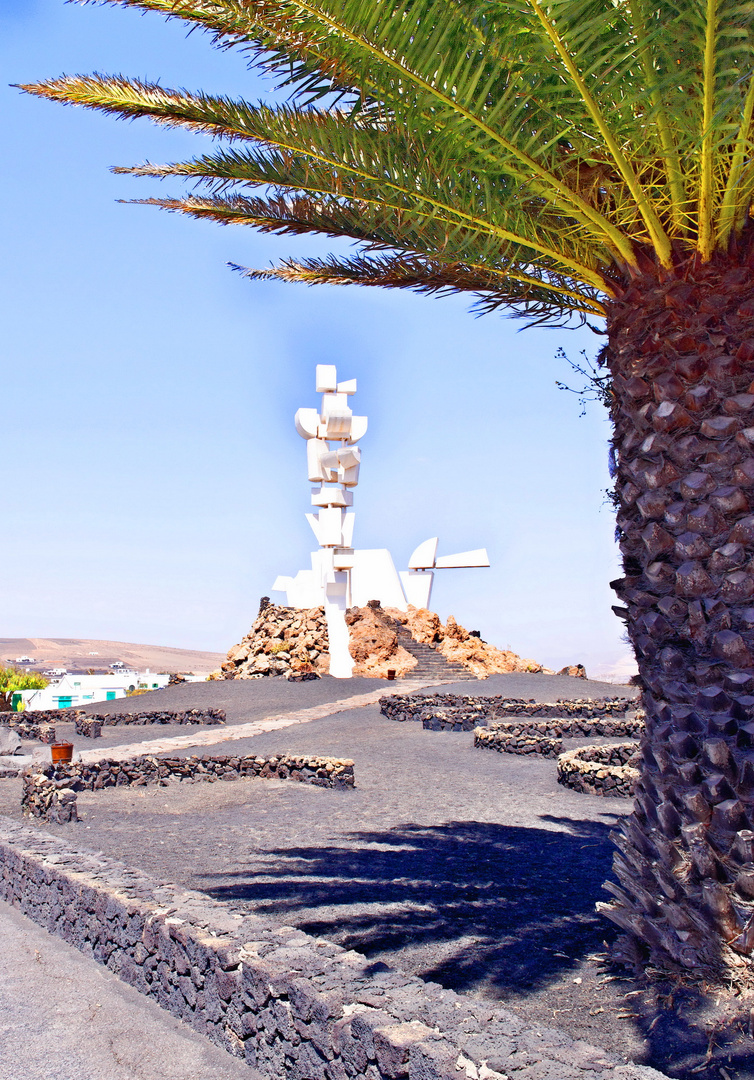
(570, 136)
(413, 181)
(379, 224)
(523, 297)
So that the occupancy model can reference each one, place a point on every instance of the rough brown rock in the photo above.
(423, 625)
(374, 644)
(576, 671)
(456, 643)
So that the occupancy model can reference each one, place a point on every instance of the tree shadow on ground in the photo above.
(487, 905)
(497, 909)
(696, 1036)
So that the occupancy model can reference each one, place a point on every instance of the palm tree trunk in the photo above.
(681, 353)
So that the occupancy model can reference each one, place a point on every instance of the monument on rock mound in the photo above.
(341, 576)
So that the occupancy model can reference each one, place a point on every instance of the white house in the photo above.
(151, 680)
(75, 690)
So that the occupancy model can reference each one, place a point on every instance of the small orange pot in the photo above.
(61, 752)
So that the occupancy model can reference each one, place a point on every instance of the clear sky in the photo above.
(154, 483)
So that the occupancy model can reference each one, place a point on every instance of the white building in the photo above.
(151, 680)
(74, 690)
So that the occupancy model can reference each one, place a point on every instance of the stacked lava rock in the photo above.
(282, 641)
(49, 791)
(601, 770)
(90, 724)
(39, 724)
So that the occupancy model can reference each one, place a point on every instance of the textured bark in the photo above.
(681, 353)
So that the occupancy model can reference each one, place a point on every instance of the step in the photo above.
(431, 664)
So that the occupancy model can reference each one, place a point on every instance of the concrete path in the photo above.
(63, 1017)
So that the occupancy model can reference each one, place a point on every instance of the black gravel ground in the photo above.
(248, 699)
(253, 699)
(470, 868)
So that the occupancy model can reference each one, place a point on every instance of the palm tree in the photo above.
(559, 159)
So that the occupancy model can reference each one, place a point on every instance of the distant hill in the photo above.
(84, 653)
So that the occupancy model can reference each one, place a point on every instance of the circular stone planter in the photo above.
(600, 769)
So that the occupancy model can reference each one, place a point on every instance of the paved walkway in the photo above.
(63, 1017)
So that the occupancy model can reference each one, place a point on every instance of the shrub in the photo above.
(13, 679)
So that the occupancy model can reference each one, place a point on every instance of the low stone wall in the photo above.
(600, 770)
(44, 733)
(293, 1006)
(90, 724)
(404, 707)
(467, 713)
(49, 791)
(89, 728)
(39, 716)
(450, 719)
(519, 740)
(583, 707)
(37, 724)
(545, 737)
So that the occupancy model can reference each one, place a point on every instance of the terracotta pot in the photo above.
(61, 751)
(391, 674)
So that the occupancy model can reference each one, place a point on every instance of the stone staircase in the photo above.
(431, 665)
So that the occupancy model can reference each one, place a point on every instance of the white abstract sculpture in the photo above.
(335, 471)
(418, 579)
(341, 577)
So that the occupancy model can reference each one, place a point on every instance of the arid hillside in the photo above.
(84, 653)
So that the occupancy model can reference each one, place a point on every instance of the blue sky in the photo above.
(154, 483)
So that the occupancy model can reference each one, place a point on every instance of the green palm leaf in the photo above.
(536, 300)
(574, 134)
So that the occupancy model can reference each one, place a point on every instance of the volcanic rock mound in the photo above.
(288, 641)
